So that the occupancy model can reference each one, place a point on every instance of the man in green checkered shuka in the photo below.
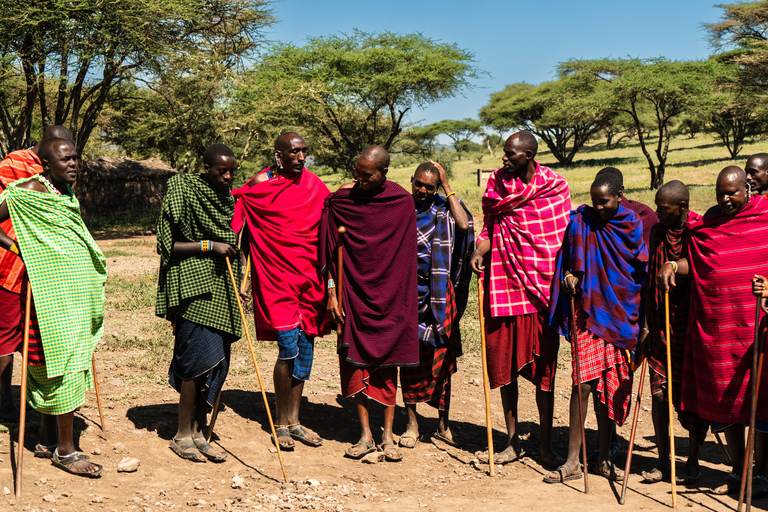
(66, 272)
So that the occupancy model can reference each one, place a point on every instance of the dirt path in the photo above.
(140, 411)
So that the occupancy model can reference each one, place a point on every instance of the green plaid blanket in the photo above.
(197, 288)
(67, 272)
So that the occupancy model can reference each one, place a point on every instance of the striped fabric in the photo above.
(443, 271)
(525, 224)
(725, 252)
(17, 165)
(431, 380)
(613, 259)
(668, 244)
(67, 271)
(645, 213)
(197, 288)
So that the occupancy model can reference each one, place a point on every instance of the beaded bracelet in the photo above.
(206, 246)
(331, 284)
(674, 266)
(242, 269)
(14, 249)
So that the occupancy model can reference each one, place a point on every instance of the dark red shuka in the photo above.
(380, 298)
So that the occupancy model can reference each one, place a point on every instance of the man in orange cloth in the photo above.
(280, 208)
(19, 164)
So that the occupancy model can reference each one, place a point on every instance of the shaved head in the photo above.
(57, 131)
(674, 191)
(732, 174)
(283, 142)
(50, 148)
(526, 140)
(757, 172)
(378, 155)
(758, 160)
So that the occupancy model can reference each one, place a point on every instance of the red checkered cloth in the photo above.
(525, 224)
(431, 380)
(607, 364)
(36, 354)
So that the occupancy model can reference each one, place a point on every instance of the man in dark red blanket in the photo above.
(669, 243)
(379, 309)
(727, 248)
(281, 208)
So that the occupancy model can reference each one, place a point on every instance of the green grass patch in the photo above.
(132, 294)
(117, 253)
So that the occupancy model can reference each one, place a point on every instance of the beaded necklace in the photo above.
(50, 185)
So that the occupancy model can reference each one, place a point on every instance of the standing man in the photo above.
(525, 208)
(194, 292)
(66, 271)
(669, 243)
(379, 309)
(281, 208)
(727, 248)
(445, 242)
(757, 173)
(22, 163)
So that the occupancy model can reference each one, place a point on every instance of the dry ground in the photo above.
(140, 411)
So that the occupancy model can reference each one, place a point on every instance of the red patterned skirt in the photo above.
(431, 380)
(379, 384)
(607, 366)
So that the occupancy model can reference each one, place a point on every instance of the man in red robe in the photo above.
(280, 208)
(727, 248)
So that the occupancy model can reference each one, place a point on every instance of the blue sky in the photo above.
(513, 41)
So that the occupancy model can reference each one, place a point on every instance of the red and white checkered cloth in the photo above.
(525, 224)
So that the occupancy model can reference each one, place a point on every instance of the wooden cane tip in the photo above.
(342, 229)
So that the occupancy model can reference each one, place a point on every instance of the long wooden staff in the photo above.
(670, 404)
(255, 365)
(23, 403)
(486, 382)
(98, 395)
(754, 378)
(725, 452)
(215, 412)
(635, 417)
(574, 342)
(340, 272)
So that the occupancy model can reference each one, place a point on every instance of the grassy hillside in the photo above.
(696, 162)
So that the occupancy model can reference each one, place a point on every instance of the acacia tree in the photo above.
(669, 87)
(352, 89)
(565, 113)
(70, 55)
(458, 131)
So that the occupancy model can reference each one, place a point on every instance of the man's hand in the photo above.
(760, 286)
(443, 175)
(225, 250)
(476, 263)
(332, 306)
(666, 277)
(570, 284)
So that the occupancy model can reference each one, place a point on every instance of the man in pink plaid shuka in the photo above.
(525, 209)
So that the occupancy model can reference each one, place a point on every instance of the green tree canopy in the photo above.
(69, 55)
(563, 113)
(669, 87)
(459, 131)
(353, 90)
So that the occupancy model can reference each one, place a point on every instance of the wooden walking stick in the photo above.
(754, 379)
(98, 395)
(340, 273)
(574, 343)
(669, 400)
(635, 417)
(486, 383)
(215, 412)
(726, 454)
(255, 365)
(23, 402)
